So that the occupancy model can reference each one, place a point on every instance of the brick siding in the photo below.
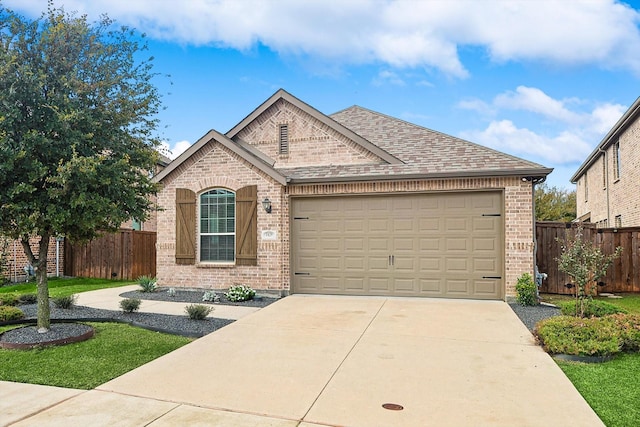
(619, 196)
(215, 166)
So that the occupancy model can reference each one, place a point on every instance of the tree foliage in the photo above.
(77, 130)
(555, 204)
(586, 264)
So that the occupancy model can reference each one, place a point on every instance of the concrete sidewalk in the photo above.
(316, 360)
(109, 299)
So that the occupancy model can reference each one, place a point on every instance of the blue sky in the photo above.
(542, 80)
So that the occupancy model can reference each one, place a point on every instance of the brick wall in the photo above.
(215, 166)
(17, 259)
(311, 142)
(617, 196)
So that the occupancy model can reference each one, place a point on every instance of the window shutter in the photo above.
(247, 226)
(185, 226)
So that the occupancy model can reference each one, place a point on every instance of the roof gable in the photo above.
(315, 139)
(259, 161)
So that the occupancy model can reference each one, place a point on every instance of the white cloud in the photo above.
(387, 76)
(536, 101)
(579, 131)
(400, 33)
(503, 135)
(177, 149)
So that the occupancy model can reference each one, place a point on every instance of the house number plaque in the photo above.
(269, 235)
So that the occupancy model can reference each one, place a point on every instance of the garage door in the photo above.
(433, 245)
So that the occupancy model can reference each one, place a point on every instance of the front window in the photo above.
(217, 226)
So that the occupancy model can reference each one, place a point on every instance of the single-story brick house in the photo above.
(355, 203)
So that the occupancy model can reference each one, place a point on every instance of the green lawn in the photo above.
(59, 287)
(115, 349)
(611, 388)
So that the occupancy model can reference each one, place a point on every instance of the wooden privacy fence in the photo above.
(622, 276)
(126, 254)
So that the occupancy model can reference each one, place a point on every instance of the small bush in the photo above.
(198, 311)
(629, 327)
(239, 293)
(527, 291)
(8, 313)
(147, 284)
(66, 302)
(592, 308)
(130, 305)
(579, 336)
(210, 296)
(8, 299)
(171, 292)
(28, 299)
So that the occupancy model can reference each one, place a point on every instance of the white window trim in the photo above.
(198, 233)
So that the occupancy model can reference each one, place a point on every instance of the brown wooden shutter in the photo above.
(247, 225)
(185, 226)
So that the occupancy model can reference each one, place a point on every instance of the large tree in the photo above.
(555, 204)
(77, 131)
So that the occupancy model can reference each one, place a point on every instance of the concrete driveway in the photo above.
(321, 360)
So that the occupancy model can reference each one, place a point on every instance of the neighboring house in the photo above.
(607, 182)
(357, 203)
(151, 223)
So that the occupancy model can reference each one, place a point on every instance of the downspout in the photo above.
(534, 181)
(57, 257)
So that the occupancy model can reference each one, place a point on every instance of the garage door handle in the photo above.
(491, 214)
(302, 274)
(492, 277)
(300, 217)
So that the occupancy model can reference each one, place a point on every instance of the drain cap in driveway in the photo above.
(393, 406)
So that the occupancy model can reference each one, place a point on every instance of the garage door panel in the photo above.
(456, 244)
(457, 225)
(486, 287)
(458, 286)
(377, 244)
(435, 245)
(431, 287)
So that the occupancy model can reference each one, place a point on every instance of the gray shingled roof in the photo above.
(425, 153)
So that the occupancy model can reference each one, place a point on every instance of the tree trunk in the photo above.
(40, 267)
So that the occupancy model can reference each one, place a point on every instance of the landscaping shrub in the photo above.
(66, 302)
(8, 299)
(579, 336)
(629, 327)
(210, 296)
(592, 308)
(171, 292)
(8, 313)
(147, 284)
(238, 293)
(527, 291)
(129, 305)
(198, 311)
(28, 299)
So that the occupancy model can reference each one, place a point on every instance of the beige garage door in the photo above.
(432, 245)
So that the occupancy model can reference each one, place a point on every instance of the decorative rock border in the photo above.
(88, 333)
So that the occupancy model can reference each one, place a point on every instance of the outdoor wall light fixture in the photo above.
(266, 204)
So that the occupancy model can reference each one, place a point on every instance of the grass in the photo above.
(62, 287)
(115, 349)
(629, 301)
(610, 388)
